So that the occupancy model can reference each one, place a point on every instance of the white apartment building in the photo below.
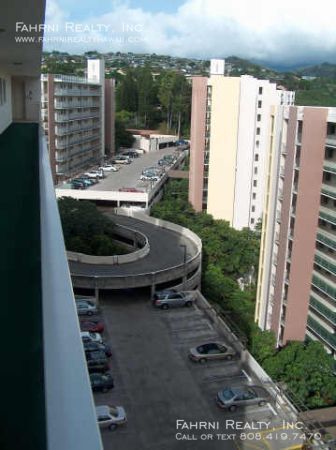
(229, 135)
(75, 114)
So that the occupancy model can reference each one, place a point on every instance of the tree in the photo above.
(123, 138)
(262, 344)
(307, 371)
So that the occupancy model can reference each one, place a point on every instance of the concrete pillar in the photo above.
(97, 295)
(153, 286)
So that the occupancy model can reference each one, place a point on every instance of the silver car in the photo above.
(109, 416)
(210, 351)
(171, 299)
(233, 397)
(86, 308)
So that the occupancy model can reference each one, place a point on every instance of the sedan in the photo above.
(101, 381)
(96, 361)
(109, 168)
(165, 300)
(87, 336)
(110, 417)
(93, 346)
(91, 325)
(233, 397)
(86, 308)
(210, 351)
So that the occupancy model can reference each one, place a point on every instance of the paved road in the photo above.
(165, 252)
(129, 174)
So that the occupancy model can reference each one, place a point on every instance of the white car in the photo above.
(87, 336)
(86, 308)
(109, 416)
(109, 168)
(149, 178)
(95, 174)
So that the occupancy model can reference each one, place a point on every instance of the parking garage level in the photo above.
(157, 384)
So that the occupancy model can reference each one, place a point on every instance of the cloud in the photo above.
(290, 31)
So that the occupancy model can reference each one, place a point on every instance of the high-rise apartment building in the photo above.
(78, 119)
(43, 371)
(230, 123)
(296, 295)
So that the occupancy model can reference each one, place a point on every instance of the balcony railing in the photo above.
(318, 329)
(77, 92)
(76, 116)
(326, 312)
(326, 238)
(329, 191)
(329, 166)
(328, 214)
(325, 262)
(324, 285)
(331, 140)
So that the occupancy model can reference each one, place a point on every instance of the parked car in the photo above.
(233, 397)
(149, 177)
(87, 336)
(109, 168)
(82, 180)
(91, 346)
(78, 184)
(86, 308)
(165, 300)
(95, 174)
(131, 153)
(163, 162)
(109, 416)
(96, 326)
(94, 180)
(121, 159)
(211, 351)
(96, 361)
(87, 181)
(101, 381)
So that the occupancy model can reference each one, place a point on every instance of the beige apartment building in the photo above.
(230, 125)
(296, 294)
(78, 119)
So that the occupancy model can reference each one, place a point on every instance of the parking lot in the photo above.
(157, 384)
(129, 174)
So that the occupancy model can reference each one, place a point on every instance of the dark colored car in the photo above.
(78, 184)
(131, 154)
(94, 346)
(101, 381)
(95, 326)
(96, 361)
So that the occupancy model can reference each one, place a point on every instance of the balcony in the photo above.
(331, 140)
(77, 92)
(326, 312)
(325, 262)
(326, 238)
(319, 330)
(76, 116)
(328, 214)
(329, 166)
(37, 292)
(63, 131)
(75, 105)
(325, 285)
(329, 191)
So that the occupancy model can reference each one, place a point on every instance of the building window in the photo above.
(260, 90)
(258, 131)
(252, 221)
(254, 195)
(254, 183)
(259, 103)
(256, 157)
(257, 144)
(255, 170)
(253, 209)
(258, 117)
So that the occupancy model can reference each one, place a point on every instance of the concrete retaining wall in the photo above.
(139, 240)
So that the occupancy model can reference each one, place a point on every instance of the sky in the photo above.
(286, 32)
